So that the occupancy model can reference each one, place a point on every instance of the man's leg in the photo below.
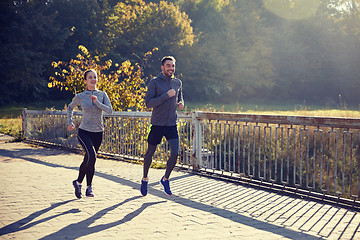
(174, 153)
(148, 159)
(147, 163)
(172, 136)
(154, 138)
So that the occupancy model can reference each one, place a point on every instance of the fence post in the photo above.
(24, 122)
(197, 141)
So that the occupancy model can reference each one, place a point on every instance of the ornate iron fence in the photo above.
(308, 155)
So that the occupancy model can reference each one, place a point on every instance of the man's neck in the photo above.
(166, 76)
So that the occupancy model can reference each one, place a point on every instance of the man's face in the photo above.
(168, 68)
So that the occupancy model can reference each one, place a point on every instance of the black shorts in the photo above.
(157, 133)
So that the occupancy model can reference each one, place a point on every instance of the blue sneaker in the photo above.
(144, 186)
(166, 185)
(77, 187)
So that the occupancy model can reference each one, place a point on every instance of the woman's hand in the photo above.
(94, 98)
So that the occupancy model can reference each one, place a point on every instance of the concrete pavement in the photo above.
(37, 201)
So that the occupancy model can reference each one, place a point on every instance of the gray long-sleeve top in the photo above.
(92, 119)
(164, 107)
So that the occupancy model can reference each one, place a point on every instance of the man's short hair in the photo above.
(164, 59)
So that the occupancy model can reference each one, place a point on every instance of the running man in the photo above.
(164, 95)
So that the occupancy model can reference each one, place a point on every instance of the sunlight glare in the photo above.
(292, 9)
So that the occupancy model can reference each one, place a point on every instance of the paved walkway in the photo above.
(37, 202)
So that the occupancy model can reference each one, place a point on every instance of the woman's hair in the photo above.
(87, 71)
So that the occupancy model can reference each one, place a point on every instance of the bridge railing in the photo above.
(310, 155)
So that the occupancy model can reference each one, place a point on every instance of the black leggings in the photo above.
(90, 141)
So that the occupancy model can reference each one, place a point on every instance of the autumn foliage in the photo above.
(125, 85)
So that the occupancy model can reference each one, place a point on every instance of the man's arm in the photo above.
(151, 100)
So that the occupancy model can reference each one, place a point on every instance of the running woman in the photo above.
(93, 102)
(164, 95)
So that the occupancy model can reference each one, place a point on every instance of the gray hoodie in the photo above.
(164, 107)
(92, 119)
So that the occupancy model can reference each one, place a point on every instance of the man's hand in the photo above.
(180, 105)
(71, 127)
(171, 92)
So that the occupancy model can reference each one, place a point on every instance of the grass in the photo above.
(16, 110)
(12, 127)
(287, 110)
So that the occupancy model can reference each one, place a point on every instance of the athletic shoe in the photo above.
(144, 187)
(89, 192)
(77, 187)
(166, 185)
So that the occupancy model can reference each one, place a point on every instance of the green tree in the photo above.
(84, 22)
(232, 58)
(315, 58)
(30, 38)
(248, 50)
(134, 27)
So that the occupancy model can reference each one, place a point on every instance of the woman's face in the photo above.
(91, 80)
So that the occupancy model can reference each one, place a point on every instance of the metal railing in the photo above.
(309, 155)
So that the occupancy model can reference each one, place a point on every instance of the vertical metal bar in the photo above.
(342, 163)
(234, 148)
(131, 137)
(268, 153)
(136, 137)
(116, 134)
(216, 140)
(221, 162)
(212, 145)
(123, 136)
(288, 155)
(240, 162)
(228, 149)
(254, 151)
(301, 157)
(202, 148)
(225, 148)
(208, 147)
(315, 154)
(336, 162)
(191, 140)
(277, 152)
(351, 167)
(198, 141)
(246, 148)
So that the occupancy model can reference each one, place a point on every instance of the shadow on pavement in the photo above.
(82, 228)
(23, 223)
(233, 216)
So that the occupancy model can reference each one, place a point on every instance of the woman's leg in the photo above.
(96, 140)
(86, 143)
(91, 143)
